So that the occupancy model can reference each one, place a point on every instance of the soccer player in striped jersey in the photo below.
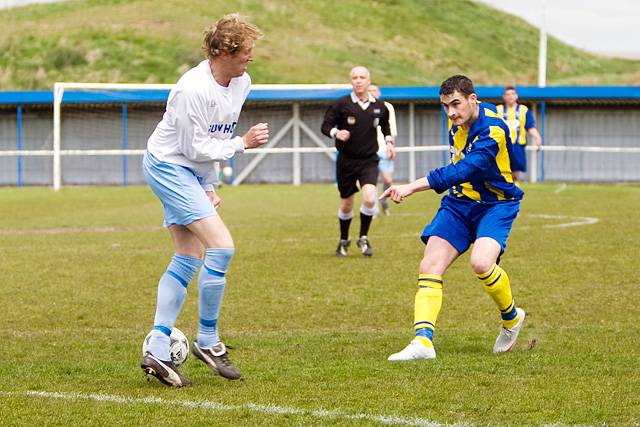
(479, 209)
(196, 131)
(521, 122)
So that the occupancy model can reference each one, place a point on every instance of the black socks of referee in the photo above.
(366, 215)
(345, 222)
(365, 222)
(344, 228)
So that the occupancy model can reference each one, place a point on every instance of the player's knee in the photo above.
(369, 200)
(481, 264)
(431, 265)
(218, 259)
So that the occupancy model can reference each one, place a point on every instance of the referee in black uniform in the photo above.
(352, 122)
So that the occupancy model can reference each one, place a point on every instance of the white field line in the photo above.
(579, 220)
(74, 230)
(212, 406)
(560, 188)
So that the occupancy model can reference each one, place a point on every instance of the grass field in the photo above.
(311, 333)
(403, 42)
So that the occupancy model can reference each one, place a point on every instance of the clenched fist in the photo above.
(256, 136)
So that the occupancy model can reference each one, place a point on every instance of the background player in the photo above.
(196, 130)
(352, 122)
(482, 204)
(385, 166)
(521, 122)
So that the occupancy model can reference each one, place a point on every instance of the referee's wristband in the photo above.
(389, 141)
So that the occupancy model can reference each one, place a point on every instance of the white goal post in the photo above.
(61, 87)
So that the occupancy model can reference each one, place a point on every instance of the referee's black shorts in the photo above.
(350, 170)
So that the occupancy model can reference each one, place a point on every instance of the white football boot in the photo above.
(416, 350)
(507, 337)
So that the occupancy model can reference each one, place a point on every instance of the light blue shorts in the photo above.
(179, 189)
(384, 164)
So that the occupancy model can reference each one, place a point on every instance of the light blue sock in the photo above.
(211, 283)
(172, 290)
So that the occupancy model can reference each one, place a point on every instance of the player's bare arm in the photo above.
(537, 139)
(391, 149)
(397, 193)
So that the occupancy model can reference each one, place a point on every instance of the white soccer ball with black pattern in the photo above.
(179, 347)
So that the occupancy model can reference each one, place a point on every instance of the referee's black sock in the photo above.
(344, 228)
(345, 222)
(365, 222)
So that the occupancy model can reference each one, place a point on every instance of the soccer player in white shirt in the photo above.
(385, 165)
(195, 132)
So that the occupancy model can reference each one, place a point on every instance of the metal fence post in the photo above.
(124, 144)
(19, 138)
(543, 112)
(297, 164)
(445, 136)
(58, 92)
(412, 142)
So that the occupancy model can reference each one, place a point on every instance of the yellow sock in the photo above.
(427, 307)
(496, 284)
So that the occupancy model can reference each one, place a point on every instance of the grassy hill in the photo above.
(403, 42)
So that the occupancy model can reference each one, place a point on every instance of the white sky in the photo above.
(606, 27)
(5, 4)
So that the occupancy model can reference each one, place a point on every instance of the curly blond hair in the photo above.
(230, 34)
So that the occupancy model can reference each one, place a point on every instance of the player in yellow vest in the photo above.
(521, 122)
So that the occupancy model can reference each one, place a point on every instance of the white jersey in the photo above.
(198, 124)
(393, 127)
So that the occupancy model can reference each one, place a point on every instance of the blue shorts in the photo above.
(179, 189)
(519, 158)
(384, 164)
(462, 221)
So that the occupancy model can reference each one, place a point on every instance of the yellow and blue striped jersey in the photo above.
(519, 119)
(480, 168)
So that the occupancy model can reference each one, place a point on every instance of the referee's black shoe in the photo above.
(341, 251)
(365, 246)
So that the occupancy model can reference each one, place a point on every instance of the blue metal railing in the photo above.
(430, 93)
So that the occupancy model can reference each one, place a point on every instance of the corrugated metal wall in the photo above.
(605, 126)
(101, 127)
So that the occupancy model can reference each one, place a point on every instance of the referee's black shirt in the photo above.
(347, 114)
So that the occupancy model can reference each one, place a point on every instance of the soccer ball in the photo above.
(179, 347)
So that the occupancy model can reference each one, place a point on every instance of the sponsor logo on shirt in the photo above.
(457, 154)
(222, 127)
